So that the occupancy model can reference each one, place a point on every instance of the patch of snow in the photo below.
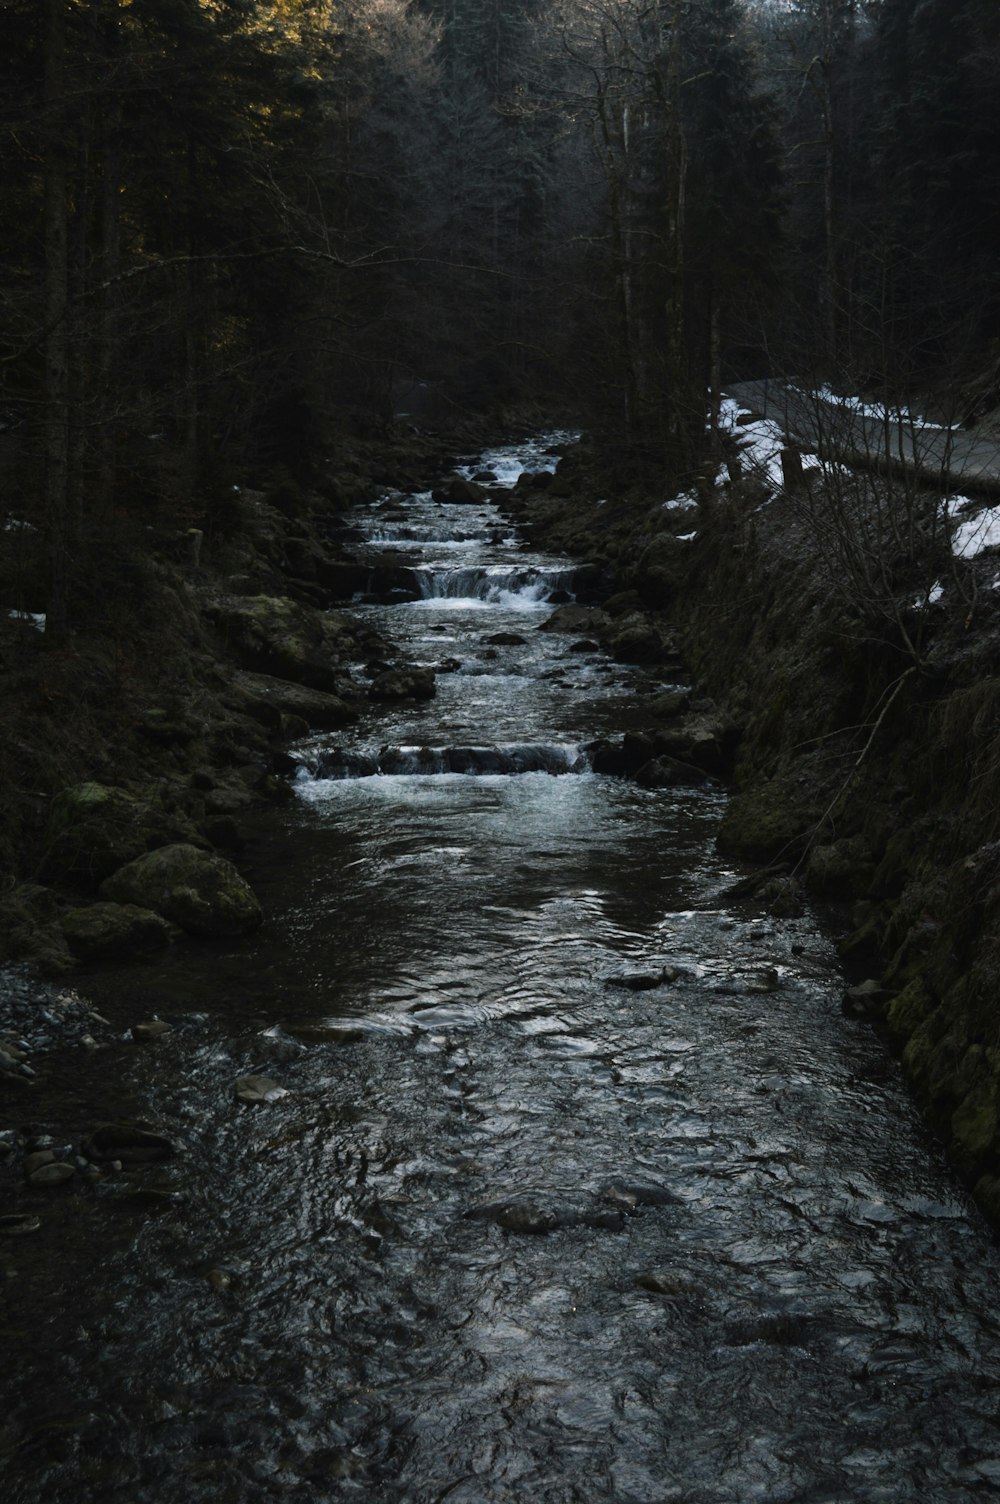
(932, 597)
(36, 618)
(686, 537)
(864, 409)
(976, 534)
(18, 525)
(682, 503)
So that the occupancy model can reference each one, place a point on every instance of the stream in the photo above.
(514, 1231)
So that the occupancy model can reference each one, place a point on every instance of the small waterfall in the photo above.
(479, 761)
(496, 586)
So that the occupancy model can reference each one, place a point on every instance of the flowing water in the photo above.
(514, 1231)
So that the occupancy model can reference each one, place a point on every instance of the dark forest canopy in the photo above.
(235, 228)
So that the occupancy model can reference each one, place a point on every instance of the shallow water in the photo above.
(514, 1230)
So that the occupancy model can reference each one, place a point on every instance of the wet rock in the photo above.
(220, 1280)
(108, 930)
(576, 619)
(153, 1028)
(667, 1282)
(669, 772)
(198, 890)
(535, 1220)
(256, 1089)
(864, 1001)
(584, 645)
(506, 640)
(643, 981)
(458, 491)
(484, 477)
(127, 1143)
(705, 741)
(404, 684)
(57, 1172)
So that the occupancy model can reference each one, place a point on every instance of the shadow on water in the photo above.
(580, 1185)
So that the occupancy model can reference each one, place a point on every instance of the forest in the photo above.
(237, 230)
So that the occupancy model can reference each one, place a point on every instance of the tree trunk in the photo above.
(57, 376)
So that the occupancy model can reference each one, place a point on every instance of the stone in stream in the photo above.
(667, 1282)
(256, 1089)
(506, 640)
(644, 981)
(403, 684)
(153, 1028)
(535, 1220)
(864, 1001)
(44, 1169)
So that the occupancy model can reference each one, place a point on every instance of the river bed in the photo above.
(515, 1229)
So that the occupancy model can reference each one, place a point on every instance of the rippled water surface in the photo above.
(514, 1231)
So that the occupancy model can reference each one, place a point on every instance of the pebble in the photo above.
(36, 1017)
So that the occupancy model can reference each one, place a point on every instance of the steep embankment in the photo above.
(868, 699)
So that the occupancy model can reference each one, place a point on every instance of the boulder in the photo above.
(106, 930)
(635, 639)
(281, 637)
(706, 741)
(273, 701)
(95, 828)
(201, 892)
(403, 684)
(457, 490)
(587, 620)
(844, 869)
(766, 822)
(668, 772)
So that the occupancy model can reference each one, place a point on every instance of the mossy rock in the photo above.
(278, 636)
(908, 1010)
(975, 1123)
(95, 828)
(764, 823)
(106, 930)
(202, 893)
(30, 929)
(841, 870)
(987, 1194)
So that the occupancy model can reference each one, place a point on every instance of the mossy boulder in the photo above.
(30, 929)
(281, 637)
(95, 828)
(766, 822)
(201, 892)
(842, 870)
(273, 702)
(101, 931)
(637, 639)
(404, 684)
(975, 1123)
(908, 1010)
